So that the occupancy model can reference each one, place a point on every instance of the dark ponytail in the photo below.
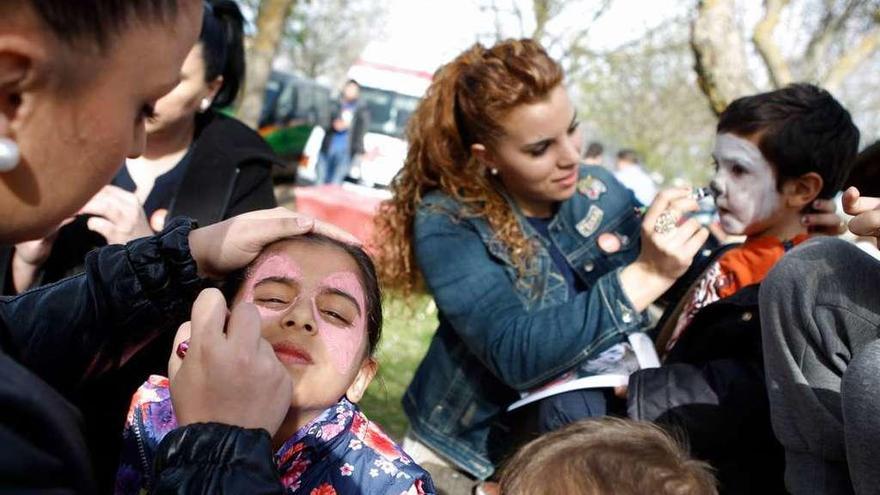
(223, 48)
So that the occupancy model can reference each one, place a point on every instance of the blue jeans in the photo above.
(333, 166)
(556, 411)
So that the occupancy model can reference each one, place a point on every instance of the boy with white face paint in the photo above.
(745, 185)
(776, 154)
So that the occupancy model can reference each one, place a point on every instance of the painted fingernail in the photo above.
(182, 348)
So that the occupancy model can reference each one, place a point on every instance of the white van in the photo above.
(391, 94)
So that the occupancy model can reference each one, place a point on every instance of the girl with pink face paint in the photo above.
(320, 308)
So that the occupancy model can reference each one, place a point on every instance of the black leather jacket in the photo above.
(711, 389)
(59, 337)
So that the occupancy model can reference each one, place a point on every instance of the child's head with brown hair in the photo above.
(606, 456)
(775, 153)
(321, 312)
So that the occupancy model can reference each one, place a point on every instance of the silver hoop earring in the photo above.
(9, 154)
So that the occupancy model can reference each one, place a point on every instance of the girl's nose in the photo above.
(300, 315)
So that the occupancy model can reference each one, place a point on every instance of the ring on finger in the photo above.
(667, 222)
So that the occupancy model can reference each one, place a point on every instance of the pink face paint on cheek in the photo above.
(275, 265)
(343, 344)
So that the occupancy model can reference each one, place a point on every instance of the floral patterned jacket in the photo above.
(339, 452)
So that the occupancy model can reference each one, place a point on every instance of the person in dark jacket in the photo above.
(197, 163)
(77, 80)
(775, 154)
(344, 139)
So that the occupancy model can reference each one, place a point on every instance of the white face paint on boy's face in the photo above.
(746, 185)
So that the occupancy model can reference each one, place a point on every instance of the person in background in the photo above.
(77, 81)
(197, 163)
(344, 140)
(631, 174)
(605, 456)
(865, 175)
(595, 154)
(866, 178)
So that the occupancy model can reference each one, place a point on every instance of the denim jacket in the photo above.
(500, 334)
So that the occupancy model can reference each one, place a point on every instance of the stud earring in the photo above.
(206, 104)
(9, 154)
(493, 171)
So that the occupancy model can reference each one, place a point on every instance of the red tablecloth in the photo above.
(350, 209)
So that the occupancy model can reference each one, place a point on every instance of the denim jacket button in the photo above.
(589, 266)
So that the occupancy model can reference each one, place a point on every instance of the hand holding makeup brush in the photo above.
(230, 377)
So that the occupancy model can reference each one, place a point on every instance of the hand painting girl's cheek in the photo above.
(277, 266)
(343, 344)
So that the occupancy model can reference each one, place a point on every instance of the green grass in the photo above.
(405, 337)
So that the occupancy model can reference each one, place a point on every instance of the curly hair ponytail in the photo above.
(465, 104)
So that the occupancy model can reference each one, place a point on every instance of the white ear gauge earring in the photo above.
(9, 154)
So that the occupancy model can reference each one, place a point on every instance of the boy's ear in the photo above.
(801, 191)
(363, 379)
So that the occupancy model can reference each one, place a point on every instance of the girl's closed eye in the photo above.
(274, 294)
(333, 315)
(337, 308)
(271, 300)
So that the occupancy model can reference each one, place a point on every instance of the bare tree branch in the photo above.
(583, 33)
(270, 27)
(777, 67)
(520, 18)
(851, 59)
(542, 17)
(829, 27)
(719, 50)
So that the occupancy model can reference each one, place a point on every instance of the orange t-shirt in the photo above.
(739, 267)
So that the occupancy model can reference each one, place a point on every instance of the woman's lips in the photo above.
(569, 179)
(291, 354)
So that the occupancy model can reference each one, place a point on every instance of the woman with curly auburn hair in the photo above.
(536, 262)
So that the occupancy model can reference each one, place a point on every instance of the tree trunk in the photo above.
(720, 53)
(777, 67)
(850, 60)
(270, 28)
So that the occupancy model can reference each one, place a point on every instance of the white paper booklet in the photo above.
(611, 368)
